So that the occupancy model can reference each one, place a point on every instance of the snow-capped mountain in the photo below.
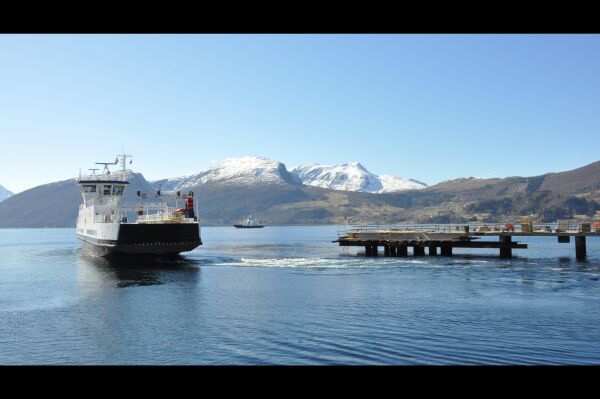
(254, 170)
(4, 193)
(346, 177)
(238, 171)
(352, 177)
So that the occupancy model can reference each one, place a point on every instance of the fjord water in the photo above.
(288, 295)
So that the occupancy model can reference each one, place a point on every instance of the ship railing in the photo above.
(106, 218)
(158, 206)
(163, 217)
(118, 175)
(153, 213)
(104, 201)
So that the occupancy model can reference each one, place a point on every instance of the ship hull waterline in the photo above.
(145, 239)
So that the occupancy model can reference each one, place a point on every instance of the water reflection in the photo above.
(125, 301)
(127, 271)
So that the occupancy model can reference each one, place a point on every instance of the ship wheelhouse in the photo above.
(91, 189)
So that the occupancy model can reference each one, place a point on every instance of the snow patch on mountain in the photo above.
(238, 171)
(461, 179)
(4, 193)
(393, 183)
(352, 177)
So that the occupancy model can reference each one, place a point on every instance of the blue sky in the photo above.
(428, 107)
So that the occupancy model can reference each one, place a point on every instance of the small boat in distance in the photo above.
(249, 223)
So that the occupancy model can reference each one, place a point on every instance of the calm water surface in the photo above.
(287, 295)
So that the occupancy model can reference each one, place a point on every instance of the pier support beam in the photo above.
(374, 250)
(446, 250)
(505, 247)
(386, 250)
(432, 250)
(418, 250)
(402, 250)
(393, 250)
(580, 249)
(367, 250)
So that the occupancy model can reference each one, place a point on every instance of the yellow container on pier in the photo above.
(526, 225)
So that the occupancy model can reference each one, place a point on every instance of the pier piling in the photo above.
(374, 250)
(432, 250)
(446, 250)
(505, 246)
(402, 250)
(580, 247)
(418, 250)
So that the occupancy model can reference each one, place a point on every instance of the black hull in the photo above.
(241, 226)
(147, 239)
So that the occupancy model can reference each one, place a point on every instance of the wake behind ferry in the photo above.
(104, 227)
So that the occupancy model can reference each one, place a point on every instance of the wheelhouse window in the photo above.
(106, 190)
(118, 190)
(87, 188)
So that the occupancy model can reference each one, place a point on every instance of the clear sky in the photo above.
(428, 107)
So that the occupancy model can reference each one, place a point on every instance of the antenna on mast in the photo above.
(124, 157)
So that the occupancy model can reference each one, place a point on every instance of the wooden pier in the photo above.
(395, 240)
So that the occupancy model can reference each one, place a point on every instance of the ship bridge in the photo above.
(106, 187)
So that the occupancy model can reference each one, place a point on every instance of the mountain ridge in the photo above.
(279, 201)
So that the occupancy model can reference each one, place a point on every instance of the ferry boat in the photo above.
(249, 223)
(103, 223)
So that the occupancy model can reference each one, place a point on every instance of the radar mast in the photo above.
(124, 157)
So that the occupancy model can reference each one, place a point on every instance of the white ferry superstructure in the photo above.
(103, 225)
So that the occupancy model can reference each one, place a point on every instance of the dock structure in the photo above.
(396, 239)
